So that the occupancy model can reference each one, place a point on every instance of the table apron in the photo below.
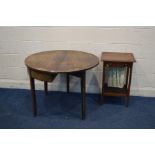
(42, 76)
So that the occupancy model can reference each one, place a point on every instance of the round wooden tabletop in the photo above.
(61, 61)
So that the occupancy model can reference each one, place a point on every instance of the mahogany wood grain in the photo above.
(61, 61)
(117, 57)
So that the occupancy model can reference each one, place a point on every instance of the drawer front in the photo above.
(43, 76)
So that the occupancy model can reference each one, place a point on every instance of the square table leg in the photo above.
(83, 93)
(82, 76)
(46, 87)
(67, 77)
(34, 103)
(103, 82)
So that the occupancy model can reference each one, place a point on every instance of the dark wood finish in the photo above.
(45, 66)
(46, 87)
(43, 76)
(67, 76)
(82, 76)
(127, 78)
(130, 76)
(115, 59)
(83, 90)
(34, 103)
(61, 61)
(103, 81)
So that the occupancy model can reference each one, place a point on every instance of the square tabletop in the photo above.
(117, 57)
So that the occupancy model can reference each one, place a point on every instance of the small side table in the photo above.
(115, 59)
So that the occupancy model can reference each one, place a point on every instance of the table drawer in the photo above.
(43, 76)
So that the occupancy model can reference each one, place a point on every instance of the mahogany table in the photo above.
(45, 66)
(117, 59)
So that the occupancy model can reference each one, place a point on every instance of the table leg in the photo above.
(46, 87)
(83, 92)
(67, 76)
(34, 104)
(128, 89)
(103, 83)
(127, 79)
(130, 76)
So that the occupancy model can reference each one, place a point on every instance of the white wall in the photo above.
(18, 42)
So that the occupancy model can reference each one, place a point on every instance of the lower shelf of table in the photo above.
(113, 91)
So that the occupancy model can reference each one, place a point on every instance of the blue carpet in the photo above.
(61, 110)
